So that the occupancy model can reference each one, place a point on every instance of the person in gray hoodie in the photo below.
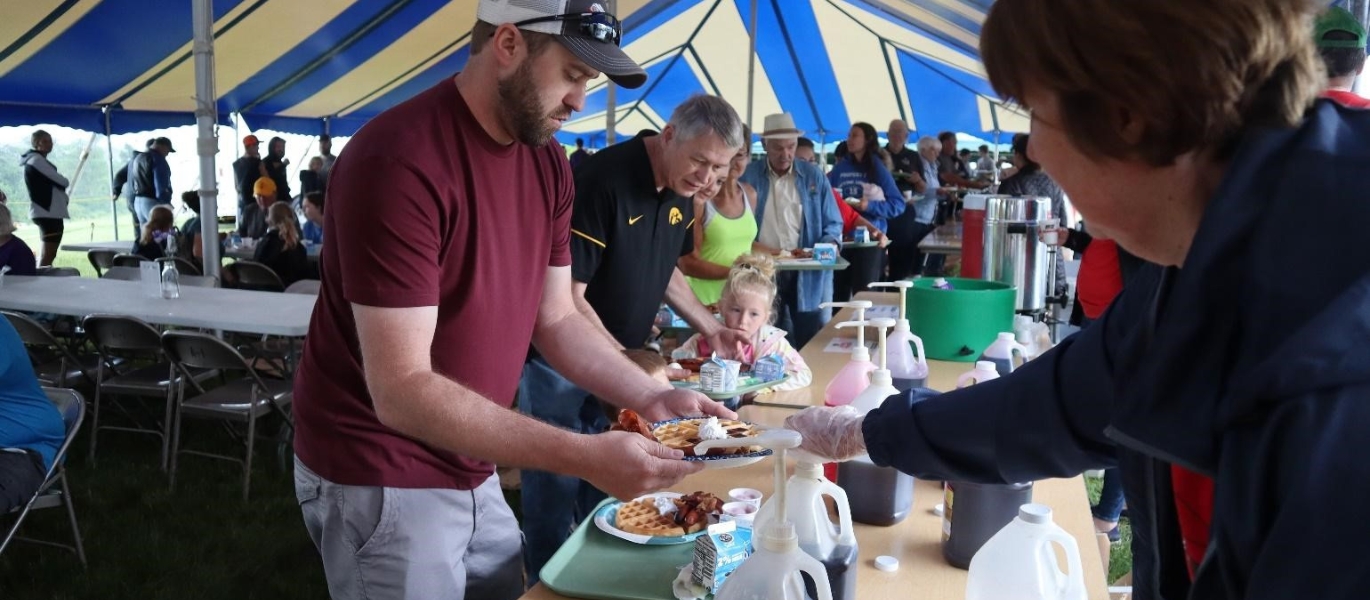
(47, 193)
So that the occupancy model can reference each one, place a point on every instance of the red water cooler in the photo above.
(973, 236)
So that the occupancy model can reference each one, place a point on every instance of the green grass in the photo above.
(1120, 558)
(144, 540)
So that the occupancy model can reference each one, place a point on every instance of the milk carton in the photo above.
(716, 375)
(769, 368)
(825, 253)
(719, 553)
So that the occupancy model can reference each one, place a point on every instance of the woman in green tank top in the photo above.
(725, 230)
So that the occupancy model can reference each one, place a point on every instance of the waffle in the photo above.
(641, 517)
(684, 435)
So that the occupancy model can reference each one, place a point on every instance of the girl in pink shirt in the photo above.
(748, 296)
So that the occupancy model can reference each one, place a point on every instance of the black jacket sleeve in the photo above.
(1047, 419)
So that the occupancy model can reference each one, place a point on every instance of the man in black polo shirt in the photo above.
(630, 223)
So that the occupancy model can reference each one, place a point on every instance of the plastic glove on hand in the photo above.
(829, 433)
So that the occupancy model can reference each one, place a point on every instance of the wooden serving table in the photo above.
(915, 542)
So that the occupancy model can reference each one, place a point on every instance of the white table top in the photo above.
(117, 246)
(268, 313)
(244, 252)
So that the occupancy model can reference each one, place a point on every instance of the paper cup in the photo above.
(746, 496)
(741, 512)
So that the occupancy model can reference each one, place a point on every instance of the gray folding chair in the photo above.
(54, 362)
(101, 260)
(123, 273)
(54, 492)
(304, 286)
(58, 272)
(124, 259)
(184, 266)
(244, 400)
(251, 275)
(120, 338)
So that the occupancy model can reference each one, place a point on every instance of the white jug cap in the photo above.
(985, 365)
(1037, 514)
(886, 563)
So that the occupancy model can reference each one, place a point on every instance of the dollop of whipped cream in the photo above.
(665, 506)
(711, 429)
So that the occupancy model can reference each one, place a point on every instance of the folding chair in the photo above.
(101, 260)
(304, 286)
(251, 275)
(58, 272)
(243, 400)
(54, 362)
(54, 491)
(184, 266)
(118, 337)
(123, 274)
(125, 259)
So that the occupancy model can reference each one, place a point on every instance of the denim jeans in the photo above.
(1111, 497)
(554, 504)
(142, 206)
(801, 326)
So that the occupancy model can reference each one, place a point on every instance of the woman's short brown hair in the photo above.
(1197, 74)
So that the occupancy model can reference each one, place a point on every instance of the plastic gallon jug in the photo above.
(854, 376)
(833, 545)
(1019, 563)
(973, 512)
(984, 371)
(1003, 352)
(908, 363)
(776, 571)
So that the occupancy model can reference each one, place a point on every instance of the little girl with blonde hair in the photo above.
(746, 304)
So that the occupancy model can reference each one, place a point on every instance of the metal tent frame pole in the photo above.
(206, 109)
(109, 153)
(751, 66)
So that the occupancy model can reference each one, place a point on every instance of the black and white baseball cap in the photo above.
(588, 28)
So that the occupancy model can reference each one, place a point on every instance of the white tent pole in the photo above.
(822, 154)
(81, 164)
(206, 105)
(751, 66)
(611, 115)
(109, 153)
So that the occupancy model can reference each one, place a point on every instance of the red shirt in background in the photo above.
(426, 209)
(849, 214)
(1349, 99)
(1100, 278)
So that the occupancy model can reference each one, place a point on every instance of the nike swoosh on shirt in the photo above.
(634, 220)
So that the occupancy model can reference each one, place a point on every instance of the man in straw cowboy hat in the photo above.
(794, 209)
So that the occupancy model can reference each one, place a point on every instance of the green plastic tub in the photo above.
(959, 323)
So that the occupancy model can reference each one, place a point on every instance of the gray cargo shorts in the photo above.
(417, 544)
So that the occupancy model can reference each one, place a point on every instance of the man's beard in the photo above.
(522, 110)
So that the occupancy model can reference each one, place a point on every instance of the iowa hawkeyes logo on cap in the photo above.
(676, 217)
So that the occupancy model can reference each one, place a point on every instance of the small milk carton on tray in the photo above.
(719, 553)
(769, 368)
(825, 253)
(718, 375)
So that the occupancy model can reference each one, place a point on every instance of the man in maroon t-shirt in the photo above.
(455, 207)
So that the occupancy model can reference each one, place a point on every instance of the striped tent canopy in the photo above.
(123, 66)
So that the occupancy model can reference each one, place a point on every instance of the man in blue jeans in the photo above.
(794, 209)
(31, 430)
(630, 224)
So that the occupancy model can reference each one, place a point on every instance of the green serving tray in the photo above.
(594, 564)
(740, 391)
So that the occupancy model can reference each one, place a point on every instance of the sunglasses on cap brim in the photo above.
(597, 26)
